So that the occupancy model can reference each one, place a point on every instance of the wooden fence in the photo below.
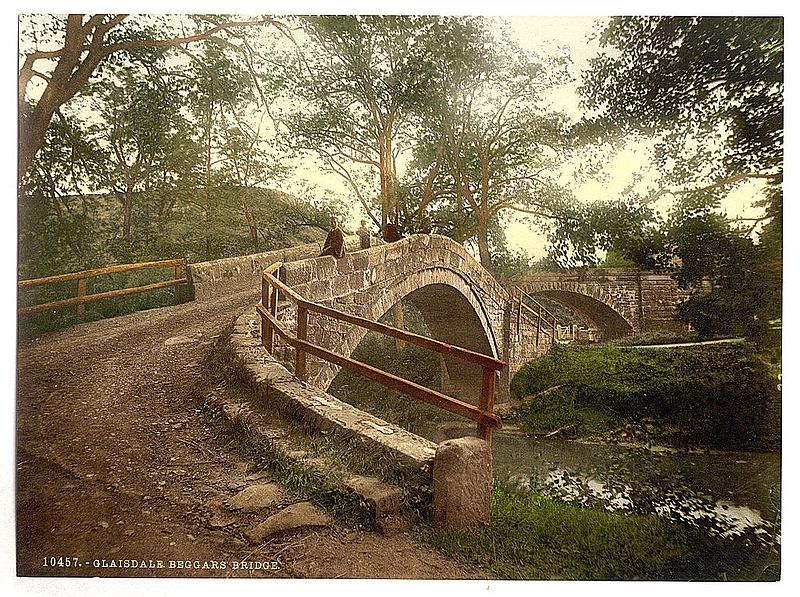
(538, 313)
(81, 278)
(272, 288)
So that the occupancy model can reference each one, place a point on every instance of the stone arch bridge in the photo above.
(461, 303)
(618, 301)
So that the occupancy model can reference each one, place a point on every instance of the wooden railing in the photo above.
(272, 288)
(81, 298)
(538, 314)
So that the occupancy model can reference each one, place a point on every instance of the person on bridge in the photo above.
(364, 235)
(391, 233)
(334, 243)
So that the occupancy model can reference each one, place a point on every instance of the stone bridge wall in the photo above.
(646, 301)
(461, 302)
(238, 274)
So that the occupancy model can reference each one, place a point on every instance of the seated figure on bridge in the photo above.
(334, 243)
(391, 233)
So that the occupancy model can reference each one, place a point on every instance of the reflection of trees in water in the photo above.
(635, 483)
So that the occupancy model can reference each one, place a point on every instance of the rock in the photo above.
(256, 497)
(294, 517)
(383, 499)
(462, 484)
(220, 520)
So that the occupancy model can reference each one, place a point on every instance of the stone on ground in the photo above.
(292, 518)
(383, 499)
(256, 497)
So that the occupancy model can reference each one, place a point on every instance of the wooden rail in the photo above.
(272, 287)
(538, 314)
(82, 277)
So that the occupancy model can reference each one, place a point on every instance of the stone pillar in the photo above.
(462, 484)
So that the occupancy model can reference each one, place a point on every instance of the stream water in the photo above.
(729, 493)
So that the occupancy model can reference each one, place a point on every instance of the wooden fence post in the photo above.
(273, 309)
(487, 402)
(300, 354)
(266, 329)
(81, 295)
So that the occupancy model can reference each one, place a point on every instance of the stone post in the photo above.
(462, 484)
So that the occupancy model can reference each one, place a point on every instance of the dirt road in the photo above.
(120, 472)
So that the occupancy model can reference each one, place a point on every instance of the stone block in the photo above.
(462, 484)
(297, 516)
(383, 499)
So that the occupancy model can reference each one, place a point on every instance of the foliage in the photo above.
(710, 91)
(63, 52)
(360, 79)
(701, 77)
(532, 537)
(487, 145)
(720, 396)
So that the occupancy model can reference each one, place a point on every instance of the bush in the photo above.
(720, 396)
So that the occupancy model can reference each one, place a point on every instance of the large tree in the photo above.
(711, 88)
(364, 80)
(61, 53)
(710, 91)
(489, 146)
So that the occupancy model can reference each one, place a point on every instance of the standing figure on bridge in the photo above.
(364, 235)
(334, 243)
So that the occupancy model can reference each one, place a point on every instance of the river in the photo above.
(730, 493)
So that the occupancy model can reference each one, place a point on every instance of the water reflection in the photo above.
(729, 494)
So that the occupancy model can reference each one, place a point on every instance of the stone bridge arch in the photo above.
(592, 303)
(461, 303)
(620, 301)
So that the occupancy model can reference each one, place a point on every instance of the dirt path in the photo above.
(119, 471)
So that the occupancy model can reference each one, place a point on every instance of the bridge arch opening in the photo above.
(610, 323)
(444, 313)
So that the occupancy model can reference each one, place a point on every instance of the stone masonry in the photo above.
(619, 300)
(461, 302)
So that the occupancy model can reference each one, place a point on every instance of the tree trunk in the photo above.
(483, 242)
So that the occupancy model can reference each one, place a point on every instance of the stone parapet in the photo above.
(277, 387)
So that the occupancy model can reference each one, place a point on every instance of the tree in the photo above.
(710, 89)
(64, 53)
(492, 147)
(142, 130)
(363, 79)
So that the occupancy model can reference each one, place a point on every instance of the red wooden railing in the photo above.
(271, 289)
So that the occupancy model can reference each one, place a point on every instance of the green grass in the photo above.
(723, 396)
(532, 537)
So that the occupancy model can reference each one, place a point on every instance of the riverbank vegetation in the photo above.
(533, 537)
(718, 396)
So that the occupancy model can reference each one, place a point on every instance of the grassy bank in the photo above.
(532, 537)
(721, 396)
